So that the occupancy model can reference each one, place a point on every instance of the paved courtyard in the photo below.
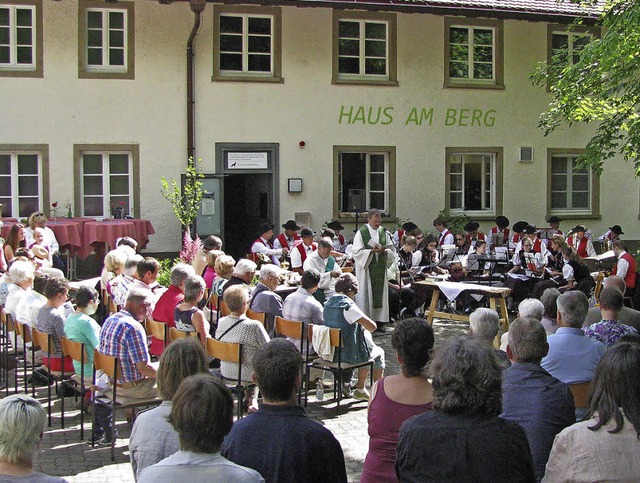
(63, 454)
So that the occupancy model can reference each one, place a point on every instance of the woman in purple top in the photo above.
(394, 399)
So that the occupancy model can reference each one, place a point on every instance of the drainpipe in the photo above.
(197, 7)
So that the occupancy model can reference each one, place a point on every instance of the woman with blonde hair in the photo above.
(224, 269)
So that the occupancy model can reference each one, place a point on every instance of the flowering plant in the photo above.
(190, 247)
(54, 209)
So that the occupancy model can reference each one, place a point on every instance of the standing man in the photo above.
(302, 250)
(625, 267)
(289, 237)
(446, 237)
(264, 246)
(373, 253)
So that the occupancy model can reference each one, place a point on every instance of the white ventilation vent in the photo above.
(526, 154)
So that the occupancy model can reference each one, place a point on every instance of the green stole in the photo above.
(377, 267)
(319, 294)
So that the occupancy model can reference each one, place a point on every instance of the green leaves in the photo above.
(601, 85)
(185, 203)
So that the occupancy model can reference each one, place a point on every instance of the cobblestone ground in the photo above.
(63, 454)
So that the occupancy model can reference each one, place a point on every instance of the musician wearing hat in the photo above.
(289, 237)
(302, 249)
(339, 243)
(373, 252)
(263, 244)
(554, 224)
(581, 243)
(473, 235)
(500, 234)
(531, 233)
(518, 234)
(407, 228)
(610, 236)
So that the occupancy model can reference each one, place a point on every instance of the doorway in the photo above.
(250, 193)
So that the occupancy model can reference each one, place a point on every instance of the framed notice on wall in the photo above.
(247, 160)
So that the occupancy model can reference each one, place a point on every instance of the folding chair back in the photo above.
(290, 328)
(159, 330)
(76, 350)
(107, 364)
(229, 352)
(259, 316)
(580, 391)
(181, 334)
(44, 342)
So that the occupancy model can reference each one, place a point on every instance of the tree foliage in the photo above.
(185, 204)
(603, 88)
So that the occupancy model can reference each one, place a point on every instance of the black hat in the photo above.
(335, 225)
(291, 225)
(409, 226)
(502, 221)
(471, 227)
(617, 229)
(329, 232)
(306, 232)
(264, 227)
(530, 229)
(554, 219)
(519, 226)
(579, 228)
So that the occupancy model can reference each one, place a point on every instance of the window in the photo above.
(474, 180)
(572, 189)
(364, 49)
(107, 178)
(21, 39)
(106, 47)
(566, 43)
(473, 53)
(23, 179)
(247, 44)
(365, 179)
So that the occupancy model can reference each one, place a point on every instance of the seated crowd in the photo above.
(506, 415)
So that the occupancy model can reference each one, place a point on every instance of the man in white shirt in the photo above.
(322, 261)
(446, 237)
(264, 246)
(301, 250)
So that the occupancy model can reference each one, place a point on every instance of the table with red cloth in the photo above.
(7, 223)
(105, 232)
(143, 229)
(68, 232)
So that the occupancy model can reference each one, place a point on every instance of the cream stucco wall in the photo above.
(61, 110)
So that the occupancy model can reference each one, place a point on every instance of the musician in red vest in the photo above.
(625, 267)
(531, 233)
(500, 234)
(264, 246)
(518, 234)
(610, 236)
(302, 249)
(407, 228)
(473, 235)
(339, 243)
(446, 237)
(289, 237)
(580, 243)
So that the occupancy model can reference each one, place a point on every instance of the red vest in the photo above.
(302, 248)
(494, 232)
(581, 250)
(400, 235)
(630, 278)
(479, 236)
(341, 239)
(537, 245)
(516, 238)
(443, 235)
(282, 238)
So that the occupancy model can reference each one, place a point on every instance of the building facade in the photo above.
(312, 113)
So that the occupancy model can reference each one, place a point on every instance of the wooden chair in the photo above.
(25, 333)
(580, 391)
(111, 367)
(223, 308)
(259, 316)
(599, 281)
(45, 342)
(11, 326)
(4, 348)
(294, 330)
(176, 334)
(77, 352)
(158, 330)
(336, 368)
(229, 352)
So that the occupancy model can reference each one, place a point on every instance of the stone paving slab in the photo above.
(63, 454)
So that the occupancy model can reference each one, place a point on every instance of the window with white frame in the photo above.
(363, 181)
(20, 183)
(567, 46)
(106, 183)
(247, 43)
(472, 180)
(473, 53)
(364, 47)
(20, 39)
(571, 186)
(106, 39)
